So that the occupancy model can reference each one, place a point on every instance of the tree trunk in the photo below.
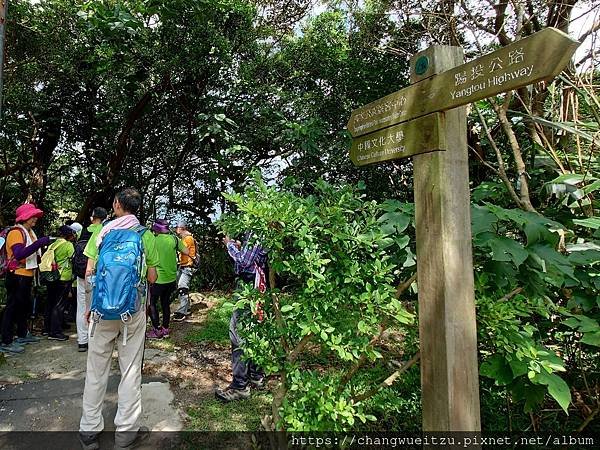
(43, 149)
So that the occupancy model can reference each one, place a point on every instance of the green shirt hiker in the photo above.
(167, 246)
(63, 252)
(148, 242)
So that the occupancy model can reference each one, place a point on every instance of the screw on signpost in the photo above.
(427, 120)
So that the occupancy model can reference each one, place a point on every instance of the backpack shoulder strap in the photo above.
(85, 236)
(140, 229)
(16, 227)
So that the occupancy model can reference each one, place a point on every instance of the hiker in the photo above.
(58, 289)
(84, 288)
(129, 251)
(71, 309)
(167, 246)
(22, 249)
(187, 266)
(249, 265)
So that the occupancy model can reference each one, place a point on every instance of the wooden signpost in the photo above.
(428, 116)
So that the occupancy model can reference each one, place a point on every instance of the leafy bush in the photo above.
(332, 252)
(338, 258)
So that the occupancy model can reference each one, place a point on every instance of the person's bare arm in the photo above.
(89, 269)
(152, 275)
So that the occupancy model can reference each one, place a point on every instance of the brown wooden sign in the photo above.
(538, 57)
(421, 135)
(409, 122)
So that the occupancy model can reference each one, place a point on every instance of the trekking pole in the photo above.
(33, 306)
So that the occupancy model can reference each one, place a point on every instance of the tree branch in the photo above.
(293, 355)
(389, 380)
(501, 168)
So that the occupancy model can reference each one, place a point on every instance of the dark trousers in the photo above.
(243, 369)
(71, 304)
(161, 293)
(55, 306)
(18, 306)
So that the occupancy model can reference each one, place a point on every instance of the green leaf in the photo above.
(592, 187)
(399, 220)
(584, 258)
(557, 264)
(592, 222)
(571, 322)
(531, 393)
(591, 339)
(286, 308)
(557, 388)
(538, 228)
(519, 368)
(497, 369)
(587, 324)
(505, 249)
(562, 126)
(568, 178)
(482, 220)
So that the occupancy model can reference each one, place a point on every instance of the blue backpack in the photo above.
(118, 288)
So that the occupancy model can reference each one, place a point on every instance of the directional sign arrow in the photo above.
(422, 135)
(541, 56)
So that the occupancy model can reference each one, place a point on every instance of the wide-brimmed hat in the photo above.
(26, 211)
(160, 226)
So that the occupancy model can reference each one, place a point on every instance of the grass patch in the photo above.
(215, 327)
(165, 344)
(25, 375)
(243, 415)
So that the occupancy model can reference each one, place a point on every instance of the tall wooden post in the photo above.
(449, 370)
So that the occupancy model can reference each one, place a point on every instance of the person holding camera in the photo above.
(22, 248)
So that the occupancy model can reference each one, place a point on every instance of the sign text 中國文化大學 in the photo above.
(421, 135)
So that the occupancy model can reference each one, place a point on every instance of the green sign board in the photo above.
(538, 57)
(421, 135)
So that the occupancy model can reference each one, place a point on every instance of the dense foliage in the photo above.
(339, 257)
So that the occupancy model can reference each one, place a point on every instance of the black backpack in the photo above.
(79, 259)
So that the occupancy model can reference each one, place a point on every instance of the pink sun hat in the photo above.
(26, 211)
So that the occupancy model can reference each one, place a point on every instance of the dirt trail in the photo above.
(41, 388)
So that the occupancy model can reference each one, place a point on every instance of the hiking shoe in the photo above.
(258, 383)
(82, 348)
(178, 317)
(154, 334)
(88, 441)
(12, 348)
(58, 337)
(165, 332)
(231, 394)
(125, 440)
(29, 339)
